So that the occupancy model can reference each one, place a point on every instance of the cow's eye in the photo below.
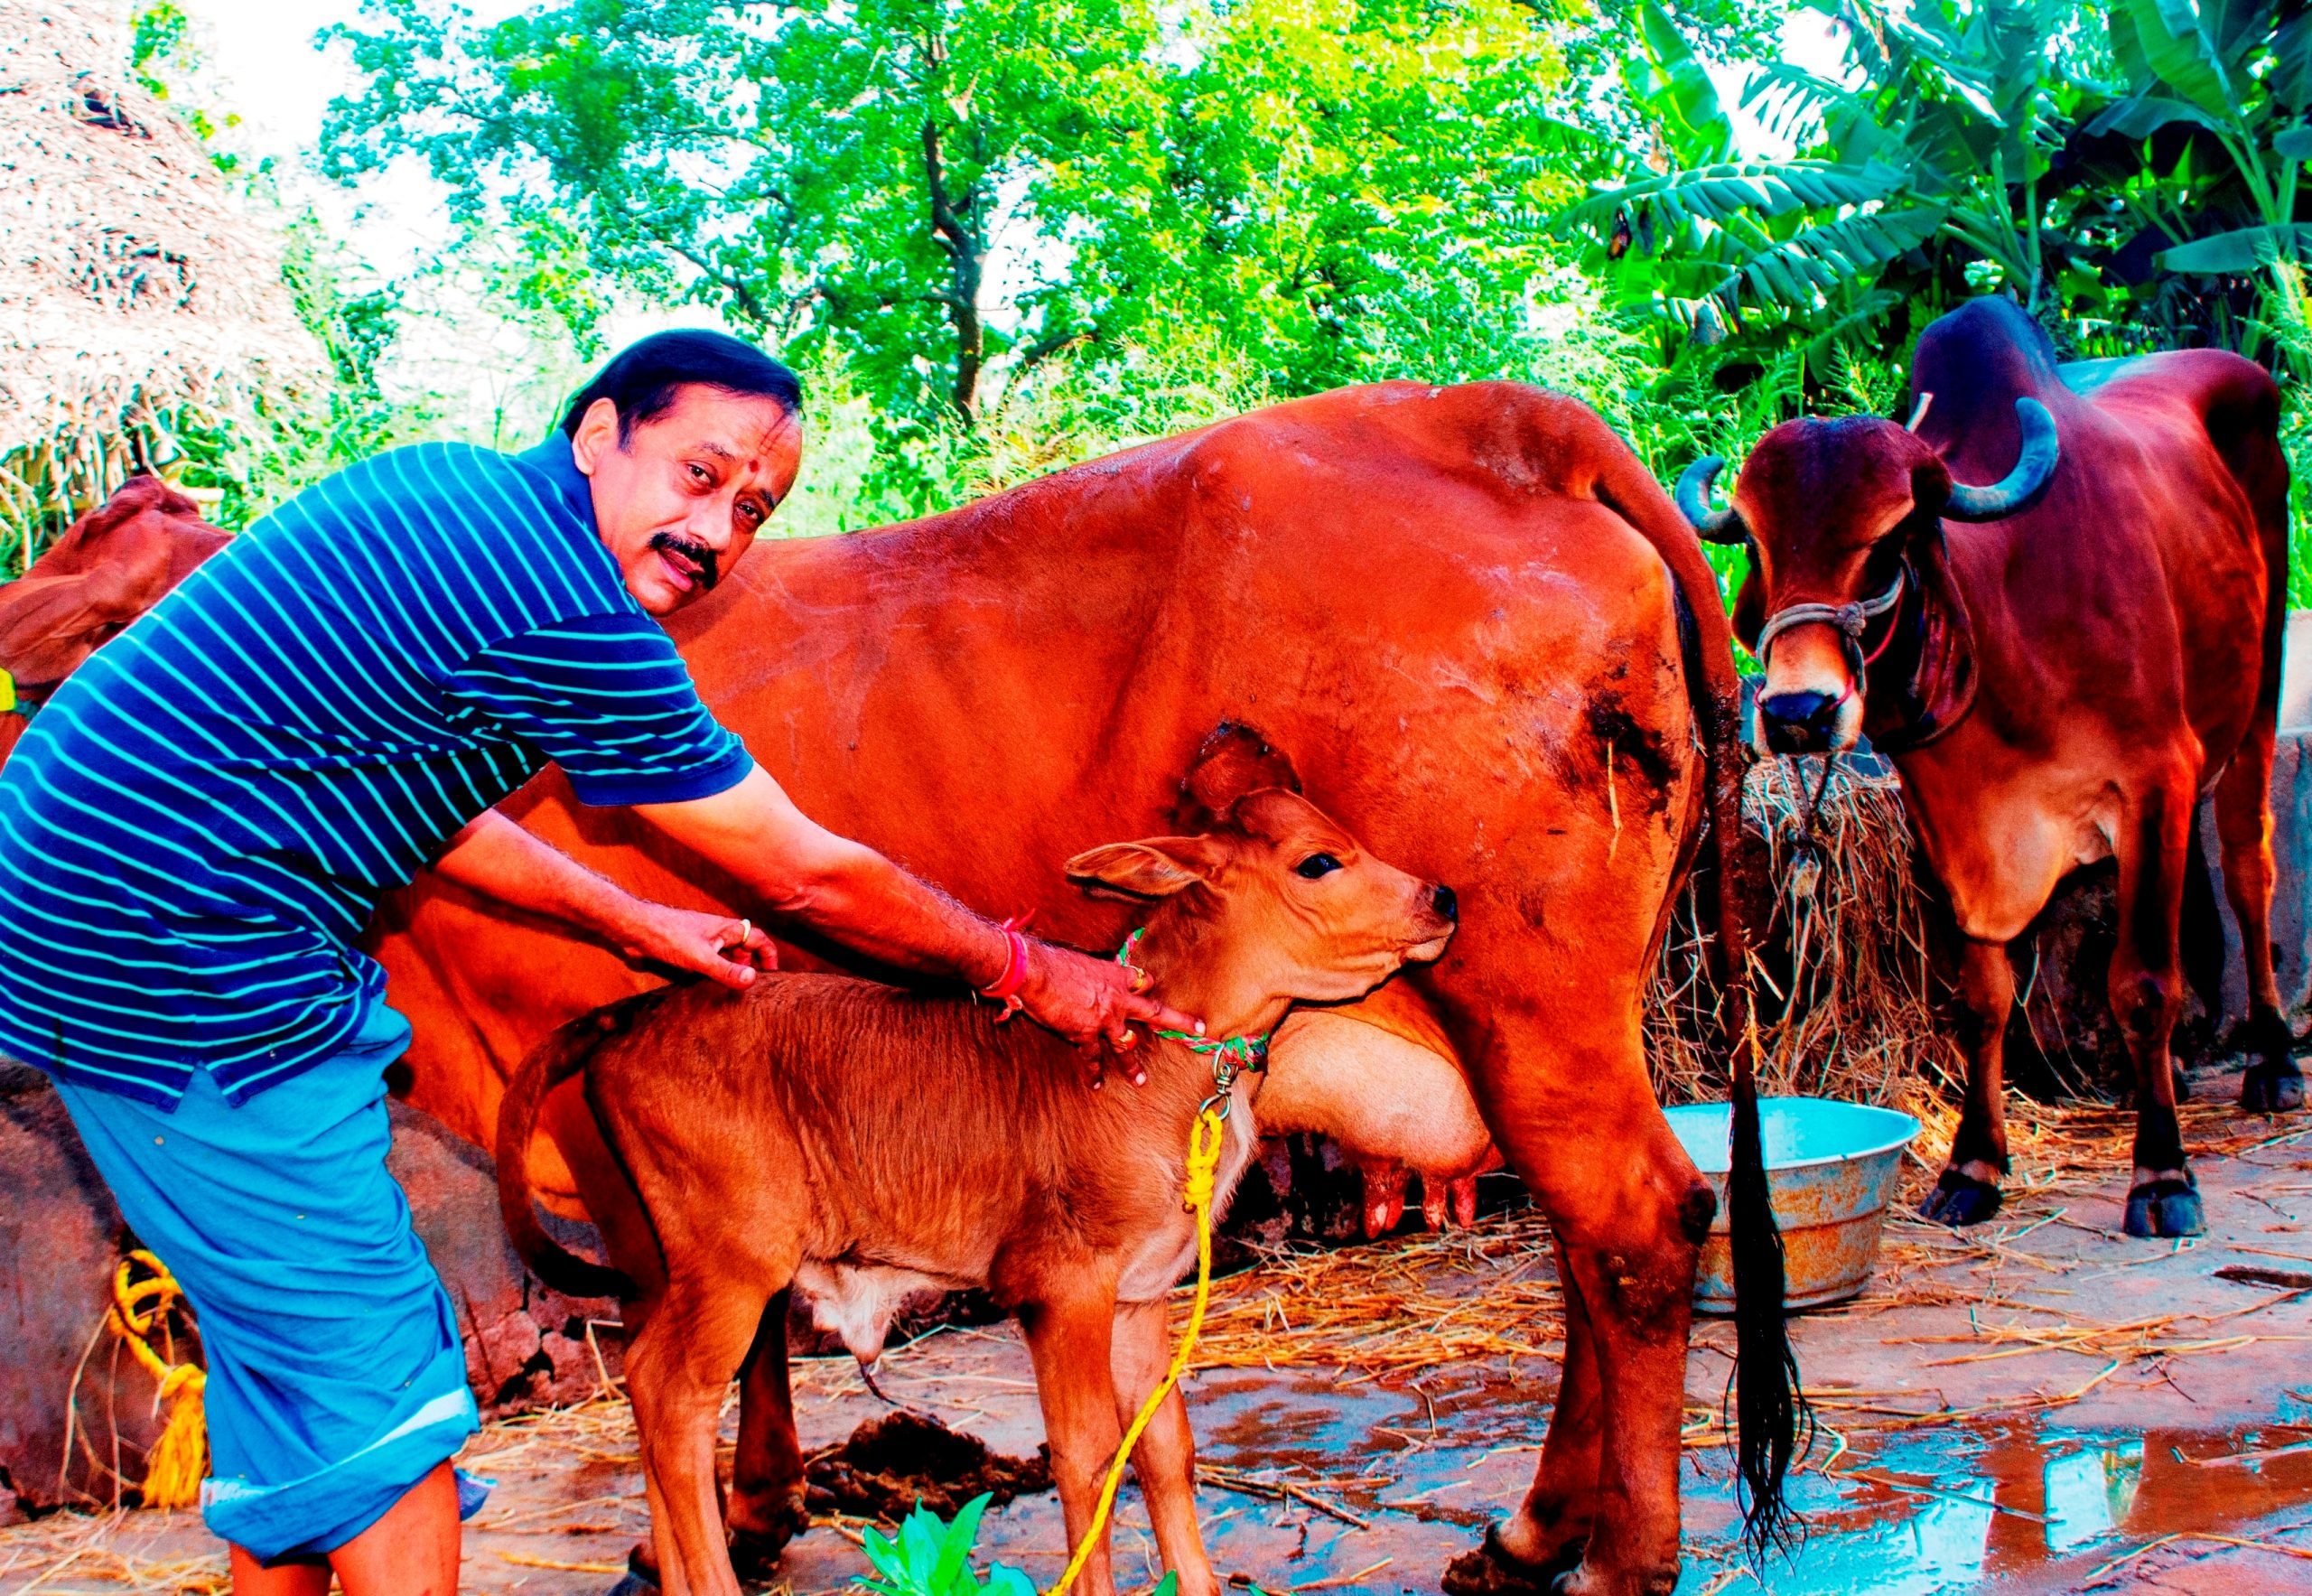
(1316, 865)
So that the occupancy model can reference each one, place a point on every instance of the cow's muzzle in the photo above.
(1800, 723)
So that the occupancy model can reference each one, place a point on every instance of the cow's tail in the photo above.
(553, 1061)
(1769, 1403)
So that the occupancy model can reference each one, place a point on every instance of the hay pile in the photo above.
(1847, 990)
(133, 295)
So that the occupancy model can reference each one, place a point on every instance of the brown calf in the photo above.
(854, 1142)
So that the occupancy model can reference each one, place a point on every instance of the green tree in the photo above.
(836, 174)
(1340, 191)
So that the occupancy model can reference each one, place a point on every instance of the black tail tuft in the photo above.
(1770, 1412)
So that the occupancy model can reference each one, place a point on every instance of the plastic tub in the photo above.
(1830, 1167)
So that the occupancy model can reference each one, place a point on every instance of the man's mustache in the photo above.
(697, 554)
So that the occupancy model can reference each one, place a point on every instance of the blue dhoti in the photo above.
(336, 1377)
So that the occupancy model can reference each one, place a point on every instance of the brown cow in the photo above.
(1462, 606)
(109, 567)
(2059, 664)
(850, 1143)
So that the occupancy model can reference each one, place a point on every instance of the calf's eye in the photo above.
(1316, 865)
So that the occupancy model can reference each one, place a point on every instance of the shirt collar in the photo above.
(553, 459)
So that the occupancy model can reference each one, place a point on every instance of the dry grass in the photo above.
(1846, 990)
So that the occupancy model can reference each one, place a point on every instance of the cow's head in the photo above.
(109, 567)
(1278, 902)
(1844, 523)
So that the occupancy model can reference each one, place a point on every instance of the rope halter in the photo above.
(1850, 620)
(1230, 1056)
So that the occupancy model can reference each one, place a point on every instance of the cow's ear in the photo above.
(1930, 489)
(1751, 606)
(1233, 760)
(1155, 868)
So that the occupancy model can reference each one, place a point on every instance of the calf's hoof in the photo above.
(2271, 1087)
(761, 1523)
(1960, 1200)
(2166, 1208)
(1493, 1570)
(2181, 1082)
(641, 1573)
(634, 1584)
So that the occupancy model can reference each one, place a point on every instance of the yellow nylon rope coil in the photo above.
(173, 1467)
(1206, 1138)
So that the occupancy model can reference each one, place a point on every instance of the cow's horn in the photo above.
(2032, 467)
(1717, 525)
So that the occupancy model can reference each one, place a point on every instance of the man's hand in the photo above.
(712, 944)
(1094, 1003)
(498, 858)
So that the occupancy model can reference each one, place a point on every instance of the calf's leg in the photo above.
(765, 1505)
(1968, 1192)
(1165, 1458)
(2243, 826)
(678, 1368)
(2147, 985)
(1069, 1341)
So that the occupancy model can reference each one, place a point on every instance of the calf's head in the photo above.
(1841, 518)
(1277, 902)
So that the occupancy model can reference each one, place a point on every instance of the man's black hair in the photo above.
(642, 379)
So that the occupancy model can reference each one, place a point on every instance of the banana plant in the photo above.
(1927, 154)
(2235, 78)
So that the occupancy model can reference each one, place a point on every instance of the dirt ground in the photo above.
(2041, 1404)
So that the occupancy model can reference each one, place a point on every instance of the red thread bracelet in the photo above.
(1005, 988)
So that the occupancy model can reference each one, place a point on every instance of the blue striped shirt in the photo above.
(198, 826)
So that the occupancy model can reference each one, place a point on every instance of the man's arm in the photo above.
(497, 858)
(801, 871)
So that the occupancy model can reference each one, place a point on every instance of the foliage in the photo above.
(161, 56)
(930, 1558)
(946, 198)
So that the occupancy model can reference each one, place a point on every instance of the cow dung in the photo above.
(891, 1464)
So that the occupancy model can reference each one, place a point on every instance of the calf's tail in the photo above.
(553, 1061)
(1769, 1405)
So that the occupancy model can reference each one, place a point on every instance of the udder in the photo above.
(1390, 1103)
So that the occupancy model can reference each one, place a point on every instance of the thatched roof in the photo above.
(130, 283)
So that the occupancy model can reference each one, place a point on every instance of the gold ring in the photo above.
(746, 930)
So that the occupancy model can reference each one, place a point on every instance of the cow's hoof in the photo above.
(634, 1584)
(1960, 1200)
(2166, 1208)
(2272, 1088)
(1493, 1570)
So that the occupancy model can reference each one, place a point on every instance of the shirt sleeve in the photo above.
(608, 700)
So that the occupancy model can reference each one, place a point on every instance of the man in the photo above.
(198, 826)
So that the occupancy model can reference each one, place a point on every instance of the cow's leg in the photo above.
(1069, 1339)
(1968, 1191)
(766, 1505)
(2147, 991)
(1549, 1531)
(1165, 1458)
(2243, 826)
(678, 1368)
(1584, 1133)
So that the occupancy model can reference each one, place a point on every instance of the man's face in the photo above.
(682, 498)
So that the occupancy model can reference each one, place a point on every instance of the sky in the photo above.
(262, 63)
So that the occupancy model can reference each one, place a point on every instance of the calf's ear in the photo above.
(1156, 868)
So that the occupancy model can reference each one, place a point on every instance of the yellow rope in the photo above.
(1205, 1139)
(173, 1467)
